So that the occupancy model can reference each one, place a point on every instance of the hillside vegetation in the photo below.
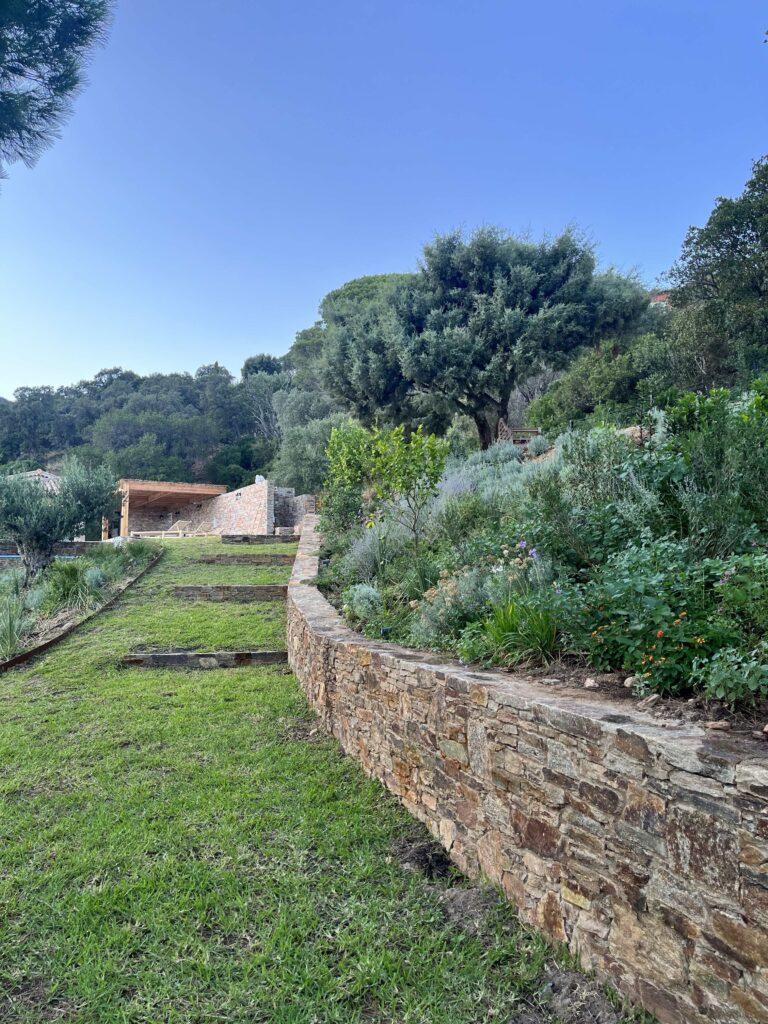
(489, 327)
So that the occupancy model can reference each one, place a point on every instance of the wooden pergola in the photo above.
(160, 495)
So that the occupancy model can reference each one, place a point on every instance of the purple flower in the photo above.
(522, 544)
(533, 553)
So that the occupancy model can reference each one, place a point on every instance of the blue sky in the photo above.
(230, 163)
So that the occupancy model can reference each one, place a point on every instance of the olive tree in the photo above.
(37, 516)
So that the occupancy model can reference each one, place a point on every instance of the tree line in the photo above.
(489, 327)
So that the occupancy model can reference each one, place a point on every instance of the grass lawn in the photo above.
(177, 847)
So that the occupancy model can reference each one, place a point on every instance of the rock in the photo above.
(721, 725)
(649, 702)
(765, 730)
(590, 683)
(630, 682)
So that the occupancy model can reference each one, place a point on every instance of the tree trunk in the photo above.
(34, 561)
(487, 424)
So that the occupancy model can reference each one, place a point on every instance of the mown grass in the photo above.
(173, 849)
(200, 572)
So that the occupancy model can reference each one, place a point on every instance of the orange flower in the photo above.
(660, 634)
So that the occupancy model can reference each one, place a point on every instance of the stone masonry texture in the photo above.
(231, 592)
(643, 847)
(249, 509)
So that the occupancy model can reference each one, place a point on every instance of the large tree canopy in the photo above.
(721, 280)
(44, 46)
(361, 346)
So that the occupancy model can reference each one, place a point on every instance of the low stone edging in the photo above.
(39, 649)
(231, 592)
(262, 560)
(643, 846)
(202, 659)
(259, 538)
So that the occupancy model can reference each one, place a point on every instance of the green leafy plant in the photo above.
(75, 585)
(652, 610)
(733, 675)
(14, 624)
(37, 516)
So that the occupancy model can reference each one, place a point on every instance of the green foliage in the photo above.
(445, 610)
(483, 312)
(37, 518)
(302, 462)
(537, 446)
(721, 279)
(360, 334)
(652, 610)
(14, 625)
(724, 444)
(734, 675)
(526, 630)
(74, 585)
(44, 46)
(362, 603)
(611, 383)
(529, 624)
(262, 363)
(405, 473)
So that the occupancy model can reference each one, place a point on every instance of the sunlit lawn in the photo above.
(175, 847)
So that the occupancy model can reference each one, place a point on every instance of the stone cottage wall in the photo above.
(247, 510)
(643, 846)
(291, 508)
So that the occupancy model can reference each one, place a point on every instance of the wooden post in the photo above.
(104, 528)
(124, 513)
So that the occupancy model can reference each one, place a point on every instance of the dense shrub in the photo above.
(537, 445)
(363, 603)
(653, 610)
(75, 585)
(648, 553)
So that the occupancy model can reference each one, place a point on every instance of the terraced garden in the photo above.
(185, 846)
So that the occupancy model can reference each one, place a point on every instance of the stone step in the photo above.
(247, 559)
(202, 659)
(224, 592)
(258, 538)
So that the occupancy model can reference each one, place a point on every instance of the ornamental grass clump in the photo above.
(14, 625)
(529, 626)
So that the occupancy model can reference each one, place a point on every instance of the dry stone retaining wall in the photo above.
(644, 847)
(231, 592)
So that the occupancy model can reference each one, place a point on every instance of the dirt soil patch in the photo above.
(424, 856)
(746, 723)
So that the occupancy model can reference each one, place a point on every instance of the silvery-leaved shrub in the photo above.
(362, 603)
(538, 445)
(444, 610)
(373, 550)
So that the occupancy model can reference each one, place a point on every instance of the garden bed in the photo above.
(48, 629)
(625, 559)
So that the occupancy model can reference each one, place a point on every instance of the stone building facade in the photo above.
(259, 508)
(641, 844)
